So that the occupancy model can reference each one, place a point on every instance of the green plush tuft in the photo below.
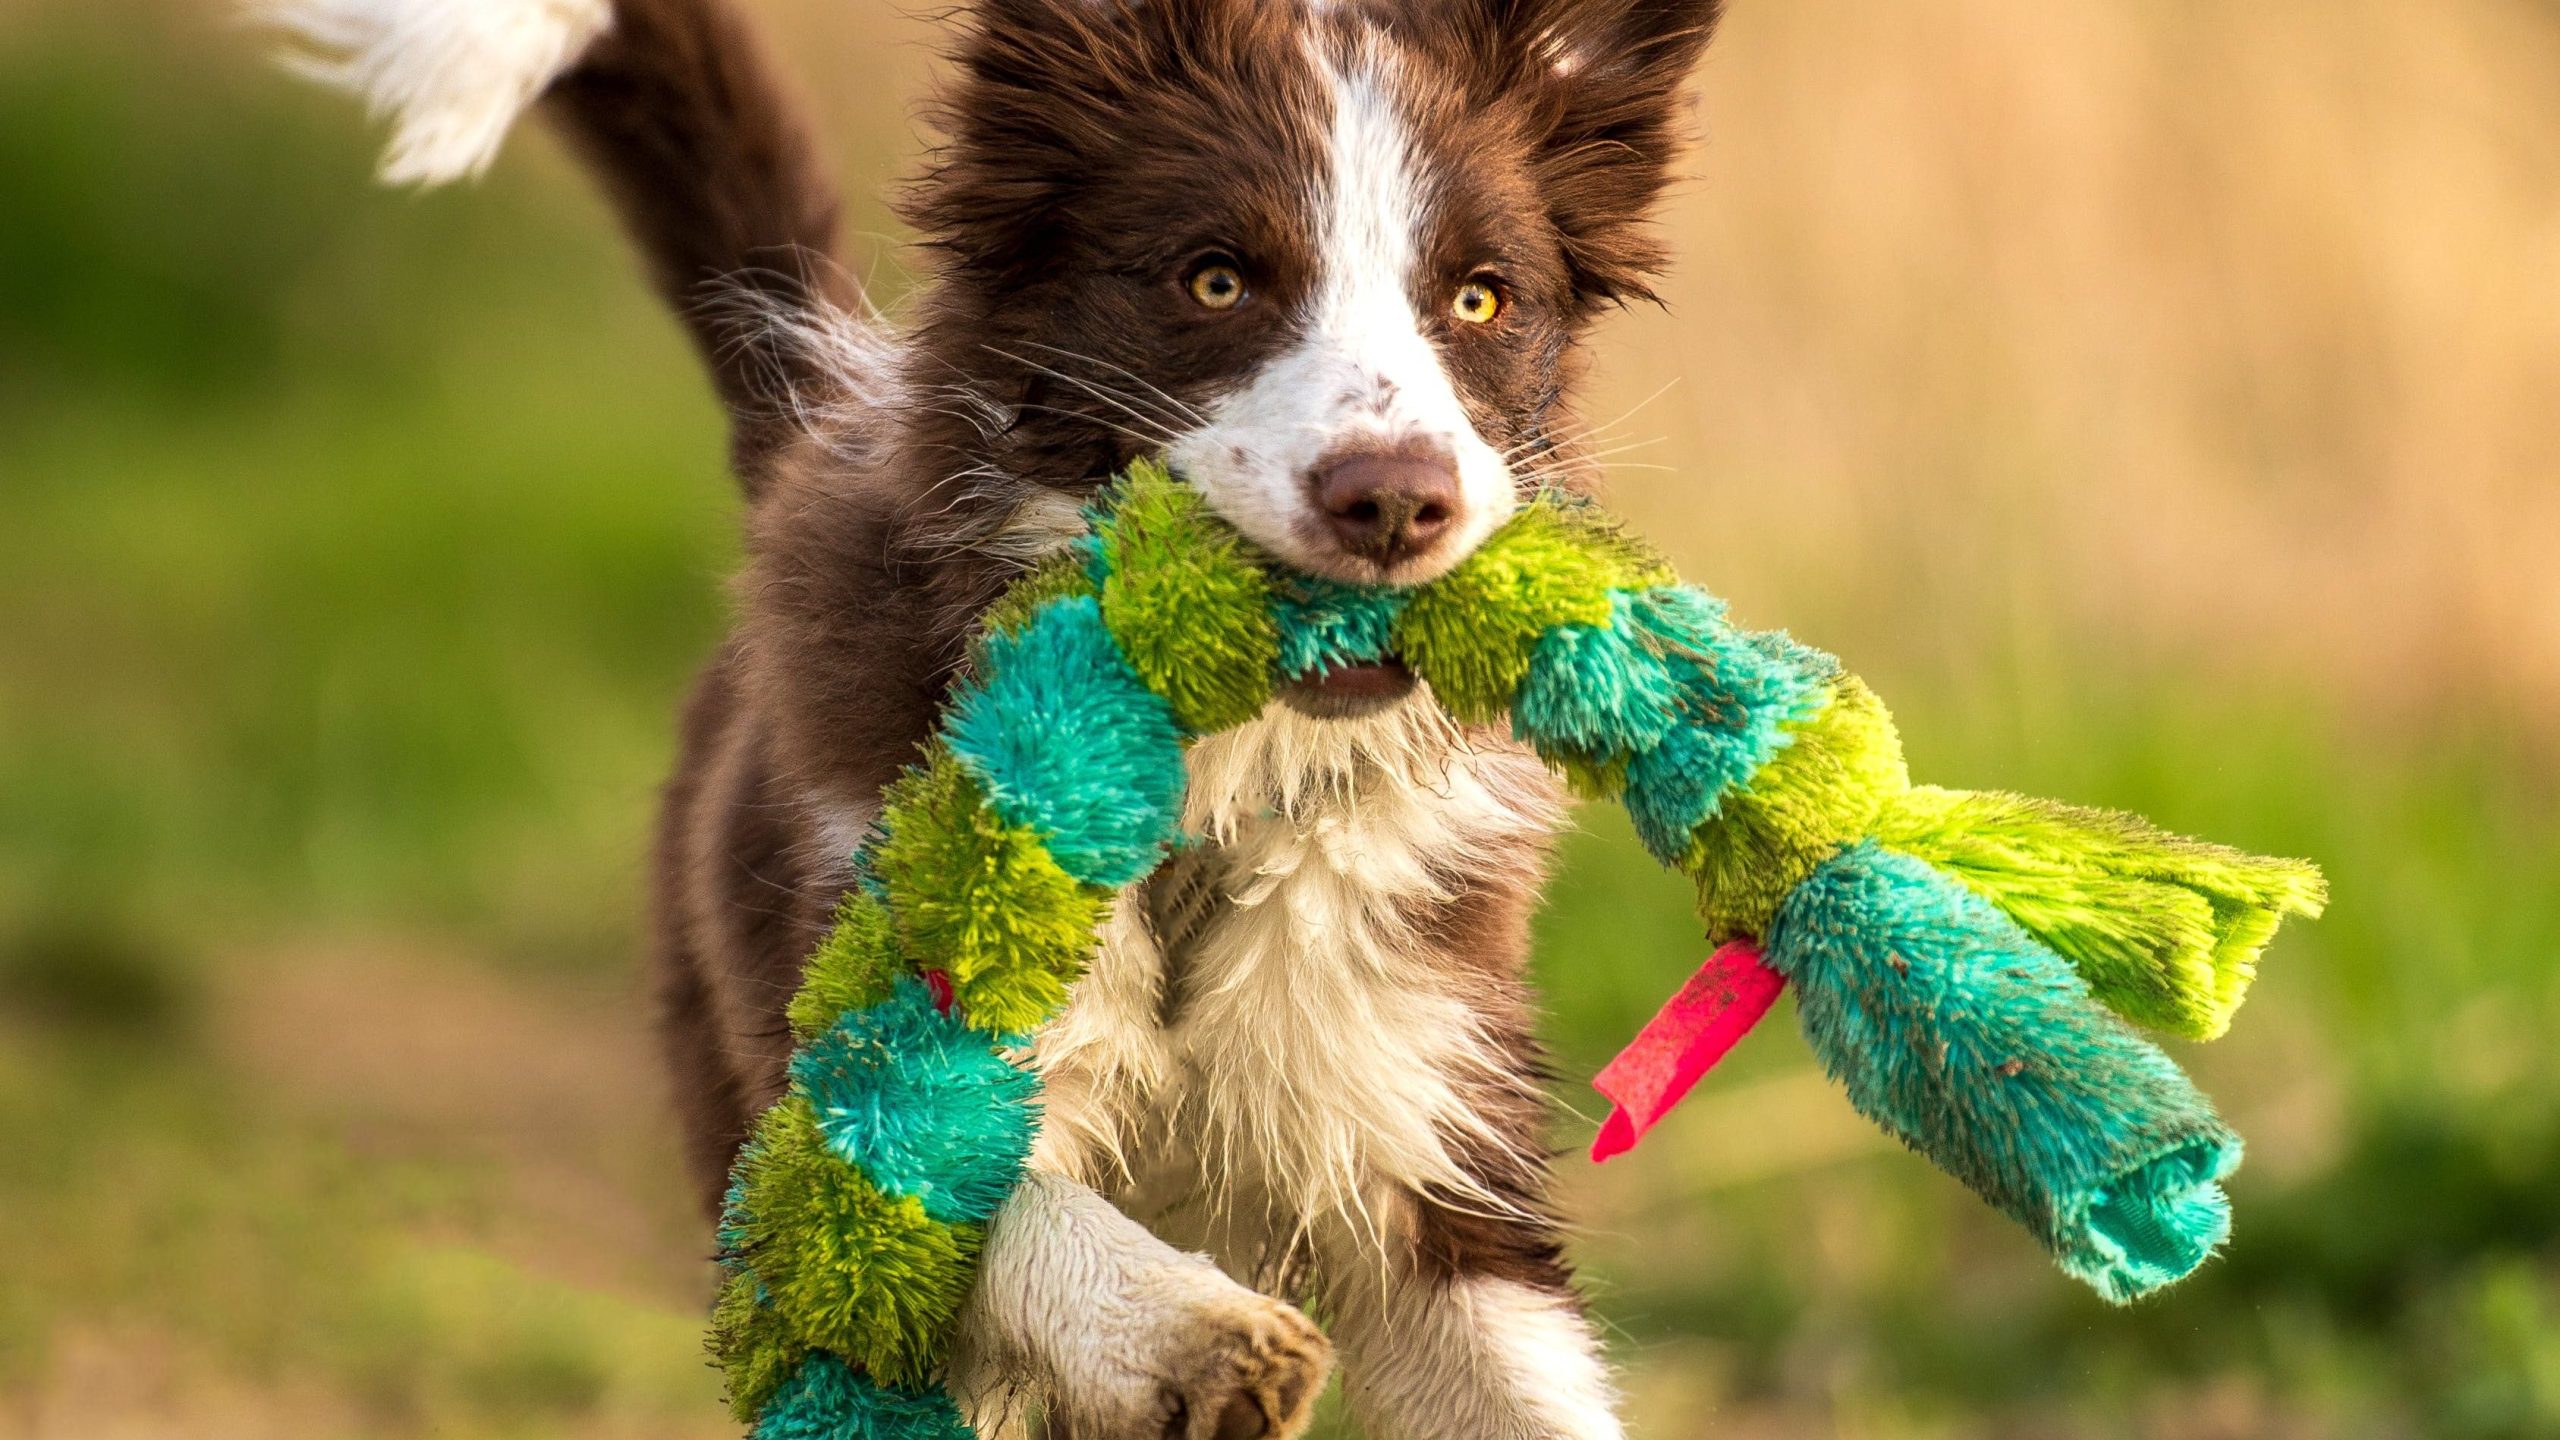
(2165, 929)
(1814, 797)
(982, 900)
(1057, 577)
(850, 971)
(751, 1345)
(1473, 632)
(847, 1266)
(1638, 565)
(1188, 601)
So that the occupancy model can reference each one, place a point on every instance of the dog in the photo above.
(1337, 261)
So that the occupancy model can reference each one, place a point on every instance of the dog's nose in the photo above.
(1387, 507)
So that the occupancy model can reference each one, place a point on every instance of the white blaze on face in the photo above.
(1361, 374)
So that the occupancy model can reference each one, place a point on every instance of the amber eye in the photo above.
(1216, 284)
(1476, 302)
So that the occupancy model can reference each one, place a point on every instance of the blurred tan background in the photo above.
(2158, 399)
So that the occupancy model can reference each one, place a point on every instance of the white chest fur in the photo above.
(1307, 1051)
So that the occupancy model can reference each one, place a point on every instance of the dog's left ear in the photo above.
(1605, 84)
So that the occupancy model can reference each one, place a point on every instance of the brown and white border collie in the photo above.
(1336, 260)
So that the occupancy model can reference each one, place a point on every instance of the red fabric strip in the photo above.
(1716, 1008)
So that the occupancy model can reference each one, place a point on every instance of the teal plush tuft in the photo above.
(1981, 1049)
(827, 1399)
(1066, 741)
(1597, 693)
(1087, 549)
(1813, 669)
(1326, 624)
(922, 1103)
(1738, 693)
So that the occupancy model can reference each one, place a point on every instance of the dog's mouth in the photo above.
(1348, 692)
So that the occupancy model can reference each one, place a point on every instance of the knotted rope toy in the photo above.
(1965, 964)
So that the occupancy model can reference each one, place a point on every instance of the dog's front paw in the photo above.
(1242, 1367)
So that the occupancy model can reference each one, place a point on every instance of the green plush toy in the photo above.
(1965, 963)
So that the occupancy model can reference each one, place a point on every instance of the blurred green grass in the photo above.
(355, 547)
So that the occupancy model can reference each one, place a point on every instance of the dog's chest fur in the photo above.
(1280, 1031)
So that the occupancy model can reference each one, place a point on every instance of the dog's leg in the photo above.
(1118, 1334)
(1457, 1316)
(1124, 1337)
(1430, 1355)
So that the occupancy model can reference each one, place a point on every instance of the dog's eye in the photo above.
(1216, 285)
(1476, 302)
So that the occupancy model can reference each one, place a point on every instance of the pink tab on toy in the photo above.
(938, 984)
(1676, 1048)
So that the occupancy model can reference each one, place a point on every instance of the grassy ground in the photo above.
(2146, 398)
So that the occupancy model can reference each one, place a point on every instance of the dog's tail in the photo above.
(703, 150)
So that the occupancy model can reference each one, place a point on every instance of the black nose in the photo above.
(1388, 507)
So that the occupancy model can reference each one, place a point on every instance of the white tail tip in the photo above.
(452, 74)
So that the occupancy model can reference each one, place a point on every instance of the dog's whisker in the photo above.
(1124, 403)
(1128, 432)
(1181, 408)
(1587, 433)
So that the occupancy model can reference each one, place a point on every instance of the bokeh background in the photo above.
(2158, 399)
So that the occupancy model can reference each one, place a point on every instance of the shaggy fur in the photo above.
(1305, 1047)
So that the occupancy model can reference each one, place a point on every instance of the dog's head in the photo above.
(1333, 258)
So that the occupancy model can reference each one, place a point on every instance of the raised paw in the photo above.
(1118, 1336)
(1248, 1370)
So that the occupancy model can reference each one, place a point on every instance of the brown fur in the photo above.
(1484, 929)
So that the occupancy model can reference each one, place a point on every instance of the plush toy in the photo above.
(1960, 959)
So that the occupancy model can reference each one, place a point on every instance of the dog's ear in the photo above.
(1040, 46)
(1606, 84)
(1043, 95)
(1016, 116)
